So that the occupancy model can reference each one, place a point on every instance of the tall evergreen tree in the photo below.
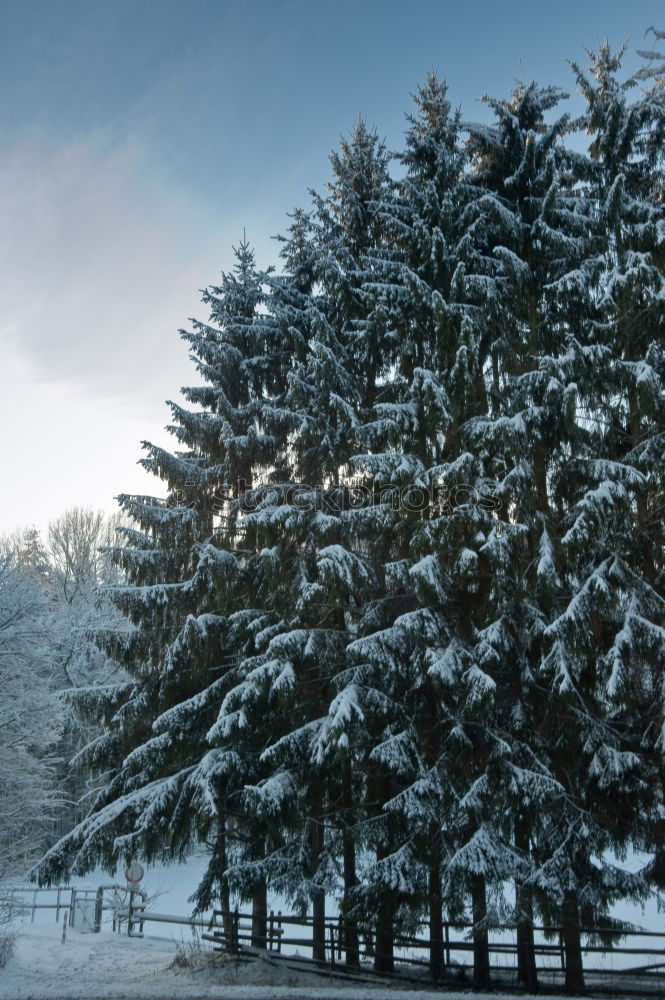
(165, 787)
(398, 626)
(610, 635)
(301, 536)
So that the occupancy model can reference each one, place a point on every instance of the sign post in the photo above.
(133, 873)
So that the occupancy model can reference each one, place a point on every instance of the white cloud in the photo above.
(100, 266)
(60, 448)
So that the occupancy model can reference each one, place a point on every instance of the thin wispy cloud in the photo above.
(100, 267)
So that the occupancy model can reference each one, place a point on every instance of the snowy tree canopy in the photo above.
(398, 630)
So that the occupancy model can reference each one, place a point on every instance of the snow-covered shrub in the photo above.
(9, 911)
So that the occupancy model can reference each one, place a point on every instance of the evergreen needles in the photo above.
(399, 625)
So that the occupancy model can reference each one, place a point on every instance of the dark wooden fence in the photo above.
(231, 931)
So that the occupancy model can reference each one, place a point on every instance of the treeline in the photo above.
(399, 623)
(51, 604)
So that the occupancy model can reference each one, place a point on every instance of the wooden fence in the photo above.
(613, 957)
(231, 931)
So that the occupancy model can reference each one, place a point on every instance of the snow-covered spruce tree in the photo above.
(599, 668)
(553, 377)
(402, 440)
(454, 652)
(530, 236)
(627, 188)
(415, 691)
(300, 537)
(256, 707)
(356, 244)
(609, 637)
(445, 297)
(186, 594)
(352, 239)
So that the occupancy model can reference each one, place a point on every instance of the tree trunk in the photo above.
(319, 928)
(384, 960)
(527, 974)
(260, 915)
(526, 954)
(350, 925)
(435, 914)
(385, 917)
(481, 954)
(572, 942)
(351, 947)
(260, 907)
(316, 835)
(224, 897)
(434, 893)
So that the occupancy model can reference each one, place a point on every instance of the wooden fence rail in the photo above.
(232, 930)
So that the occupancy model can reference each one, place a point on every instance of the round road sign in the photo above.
(134, 872)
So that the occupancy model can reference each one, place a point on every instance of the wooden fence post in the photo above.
(99, 906)
(235, 932)
(130, 914)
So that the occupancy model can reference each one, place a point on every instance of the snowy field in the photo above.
(116, 967)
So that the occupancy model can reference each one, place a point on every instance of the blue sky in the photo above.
(139, 137)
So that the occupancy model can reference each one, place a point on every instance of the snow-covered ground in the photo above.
(116, 967)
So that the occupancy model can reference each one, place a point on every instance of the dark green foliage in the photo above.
(400, 623)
